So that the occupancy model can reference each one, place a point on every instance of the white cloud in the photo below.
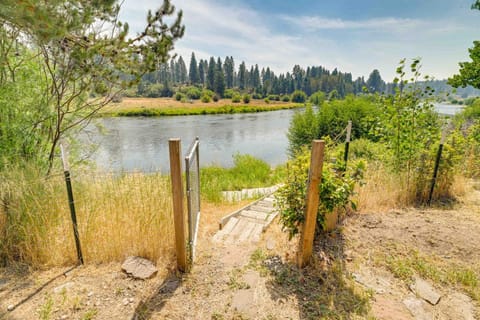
(313, 23)
(216, 28)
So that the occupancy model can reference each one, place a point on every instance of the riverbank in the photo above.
(171, 107)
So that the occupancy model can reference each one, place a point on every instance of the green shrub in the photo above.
(267, 100)
(229, 93)
(257, 96)
(274, 97)
(194, 93)
(285, 98)
(317, 98)
(298, 96)
(179, 96)
(335, 191)
(206, 98)
(246, 98)
(236, 98)
(215, 98)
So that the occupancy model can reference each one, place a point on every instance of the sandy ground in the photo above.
(350, 276)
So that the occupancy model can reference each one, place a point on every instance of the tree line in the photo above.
(219, 75)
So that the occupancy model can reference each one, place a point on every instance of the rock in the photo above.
(371, 281)
(139, 268)
(270, 244)
(425, 291)
(63, 287)
(456, 306)
(417, 308)
(90, 294)
(10, 307)
(64, 317)
(125, 301)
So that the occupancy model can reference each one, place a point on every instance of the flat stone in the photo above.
(270, 244)
(139, 268)
(371, 281)
(456, 306)
(10, 307)
(417, 308)
(425, 291)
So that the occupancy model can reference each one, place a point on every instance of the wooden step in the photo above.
(261, 208)
(262, 216)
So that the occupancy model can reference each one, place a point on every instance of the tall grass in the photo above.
(117, 216)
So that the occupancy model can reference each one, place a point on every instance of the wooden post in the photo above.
(178, 210)
(71, 204)
(435, 169)
(347, 143)
(312, 202)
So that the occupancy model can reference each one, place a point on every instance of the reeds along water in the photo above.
(118, 216)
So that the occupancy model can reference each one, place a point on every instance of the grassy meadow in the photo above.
(172, 107)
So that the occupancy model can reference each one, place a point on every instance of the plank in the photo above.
(261, 208)
(246, 231)
(262, 216)
(256, 233)
(226, 230)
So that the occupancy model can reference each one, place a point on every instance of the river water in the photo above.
(141, 143)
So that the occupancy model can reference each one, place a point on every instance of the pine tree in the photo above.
(193, 71)
(211, 74)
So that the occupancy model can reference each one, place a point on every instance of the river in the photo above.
(141, 143)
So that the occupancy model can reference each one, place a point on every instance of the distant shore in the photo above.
(170, 107)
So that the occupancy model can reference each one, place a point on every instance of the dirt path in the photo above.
(370, 268)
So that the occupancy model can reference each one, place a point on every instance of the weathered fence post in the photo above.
(312, 202)
(437, 164)
(178, 210)
(347, 143)
(71, 204)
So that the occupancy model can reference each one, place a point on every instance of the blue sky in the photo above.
(353, 36)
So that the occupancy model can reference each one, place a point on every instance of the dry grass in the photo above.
(117, 216)
(129, 104)
(384, 191)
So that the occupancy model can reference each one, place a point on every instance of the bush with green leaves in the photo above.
(286, 98)
(246, 98)
(194, 93)
(317, 98)
(236, 98)
(332, 119)
(229, 93)
(298, 96)
(179, 96)
(336, 189)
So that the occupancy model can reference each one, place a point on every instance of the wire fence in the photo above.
(117, 215)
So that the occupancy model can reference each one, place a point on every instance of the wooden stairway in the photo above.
(248, 223)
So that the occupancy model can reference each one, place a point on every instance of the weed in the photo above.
(90, 314)
(235, 282)
(45, 311)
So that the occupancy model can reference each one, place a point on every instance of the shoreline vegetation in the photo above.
(155, 107)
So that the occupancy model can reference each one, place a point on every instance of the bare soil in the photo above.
(361, 271)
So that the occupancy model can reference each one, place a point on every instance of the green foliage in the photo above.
(247, 172)
(194, 93)
(274, 97)
(331, 120)
(236, 98)
(229, 93)
(77, 58)
(298, 96)
(317, 98)
(469, 73)
(266, 100)
(335, 190)
(179, 96)
(285, 98)
(246, 98)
